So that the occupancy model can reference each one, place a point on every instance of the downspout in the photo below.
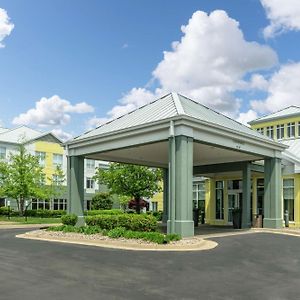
(172, 177)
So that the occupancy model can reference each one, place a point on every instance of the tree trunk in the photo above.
(138, 205)
(21, 207)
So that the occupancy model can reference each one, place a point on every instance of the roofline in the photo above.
(269, 142)
(260, 120)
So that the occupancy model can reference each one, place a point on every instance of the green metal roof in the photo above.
(165, 108)
(281, 114)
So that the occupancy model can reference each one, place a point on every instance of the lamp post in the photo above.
(8, 205)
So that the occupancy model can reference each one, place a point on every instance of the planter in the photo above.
(237, 218)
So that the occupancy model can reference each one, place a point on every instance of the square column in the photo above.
(181, 186)
(165, 195)
(246, 202)
(76, 188)
(272, 196)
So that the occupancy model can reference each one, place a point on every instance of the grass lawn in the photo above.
(30, 220)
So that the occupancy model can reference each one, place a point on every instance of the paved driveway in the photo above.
(251, 266)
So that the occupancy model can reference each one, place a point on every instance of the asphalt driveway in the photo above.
(250, 266)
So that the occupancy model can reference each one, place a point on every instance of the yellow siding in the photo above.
(49, 149)
(274, 123)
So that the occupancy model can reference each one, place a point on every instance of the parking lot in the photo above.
(250, 266)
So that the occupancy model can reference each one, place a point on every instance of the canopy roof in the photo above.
(141, 137)
(167, 107)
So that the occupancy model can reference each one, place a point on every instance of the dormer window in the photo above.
(291, 129)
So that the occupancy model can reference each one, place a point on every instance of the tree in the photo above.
(102, 201)
(57, 187)
(130, 180)
(22, 178)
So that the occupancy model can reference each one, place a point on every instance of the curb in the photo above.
(202, 246)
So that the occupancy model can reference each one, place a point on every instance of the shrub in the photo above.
(157, 214)
(155, 237)
(128, 221)
(45, 213)
(102, 201)
(4, 211)
(70, 219)
(83, 229)
(104, 212)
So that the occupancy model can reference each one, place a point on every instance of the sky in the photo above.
(69, 66)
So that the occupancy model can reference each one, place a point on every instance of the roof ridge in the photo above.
(178, 104)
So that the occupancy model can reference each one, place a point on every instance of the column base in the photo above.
(80, 221)
(183, 228)
(272, 223)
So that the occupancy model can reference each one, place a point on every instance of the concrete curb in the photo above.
(20, 226)
(113, 244)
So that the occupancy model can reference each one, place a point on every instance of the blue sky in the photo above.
(71, 65)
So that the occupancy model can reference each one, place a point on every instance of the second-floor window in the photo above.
(270, 132)
(57, 159)
(2, 152)
(42, 157)
(280, 131)
(90, 164)
(90, 184)
(260, 130)
(291, 129)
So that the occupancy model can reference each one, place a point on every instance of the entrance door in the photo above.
(234, 200)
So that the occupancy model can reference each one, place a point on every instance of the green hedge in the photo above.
(40, 213)
(155, 237)
(45, 213)
(132, 222)
(104, 212)
(70, 219)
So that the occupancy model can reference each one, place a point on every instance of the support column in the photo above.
(246, 203)
(181, 186)
(272, 194)
(76, 188)
(165, 195)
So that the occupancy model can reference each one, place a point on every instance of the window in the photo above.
(39, 204)
(57, 160)
(90, 183)
(219, 200)
(41, 156)
(280, 131)
(260, 130)
(288, 197)
(90, 164)
(235, 184)
(291, 129)
(154, 206)
(59, 204)
(260, 195)
(298, 128)
(57, 180)
(2, 153)
(199, 195)
(270, 131)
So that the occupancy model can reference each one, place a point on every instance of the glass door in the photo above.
(233, 202)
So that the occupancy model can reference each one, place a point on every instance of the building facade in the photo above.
(224, 190)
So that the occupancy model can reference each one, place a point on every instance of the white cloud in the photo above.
(258, 82)
(283, 90)
(64, 136)
(284, 15)
(250, 115)
(5, 26)
(95, 122)
(208, 64)
(51, 111)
